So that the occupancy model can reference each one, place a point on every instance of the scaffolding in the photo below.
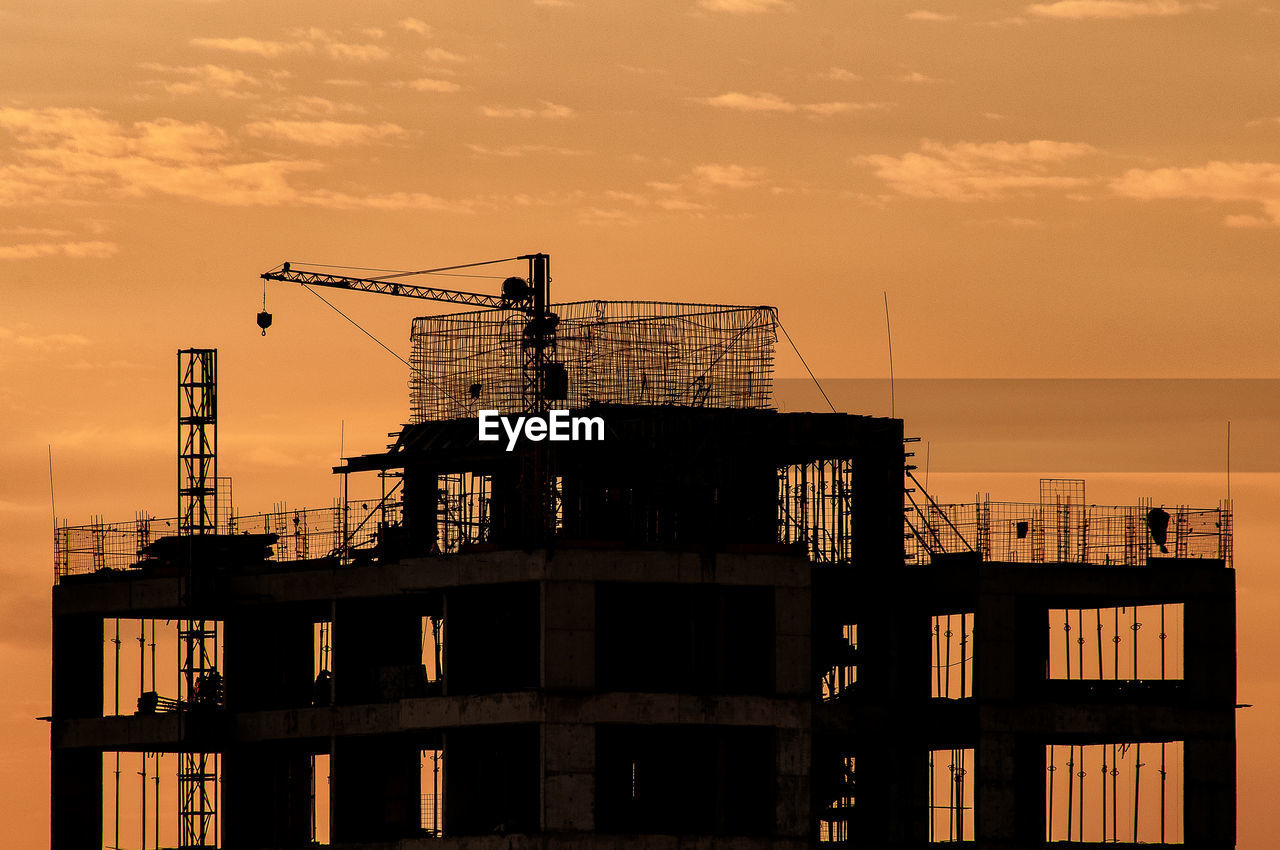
(614, 352)
(1068, 532)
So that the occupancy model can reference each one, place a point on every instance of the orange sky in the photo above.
(1080, 188)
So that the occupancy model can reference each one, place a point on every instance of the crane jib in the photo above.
(384, 287)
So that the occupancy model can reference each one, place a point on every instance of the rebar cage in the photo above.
(615, 352)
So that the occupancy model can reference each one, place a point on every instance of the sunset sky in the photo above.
(1069, 189)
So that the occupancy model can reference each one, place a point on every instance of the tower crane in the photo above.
(543, 379)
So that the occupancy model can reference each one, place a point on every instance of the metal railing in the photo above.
(302, 534)
(1071, 533)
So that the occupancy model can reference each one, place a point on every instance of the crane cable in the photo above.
(783, 328)
(416, 371)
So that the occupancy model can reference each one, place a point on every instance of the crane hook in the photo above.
(264, 318)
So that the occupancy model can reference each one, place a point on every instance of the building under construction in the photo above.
(721, 625)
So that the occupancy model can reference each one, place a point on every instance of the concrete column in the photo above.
(569, 776)
(266, 797)
(793, 761)
(76, 800)
(77, 666)
(269, 659)
(569, 635)
(377, 651)
(792, 673)
(1209, 793)
(375, 789)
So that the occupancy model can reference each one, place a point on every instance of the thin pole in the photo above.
(889, 334)
(1071, 785)
(1080, 640)
(53, 506)
(1137, 784)
(1136, 626)
(1104, 792)
(947, 677)
(937, 655)
(1114, 797)
(1115, 643)
(1098, 613)
(1049, 819)
(1228, 460)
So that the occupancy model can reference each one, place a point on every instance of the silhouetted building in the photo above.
(717, 626)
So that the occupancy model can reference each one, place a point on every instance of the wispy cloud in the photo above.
(969, 171)
(1080, 10)
(356, 52)
(930, 16)
(916, 78)
(25, 336)
(329, 134)
(218, 80)
(513, 151)
(75, 250)
(1254, 183)
(439, 54)
(716, 175)
(414, 25)
(255, 46)
(844, 75)
(745, 7)
(313, 106)
(547, 110)
(432, 85)
(769, 102)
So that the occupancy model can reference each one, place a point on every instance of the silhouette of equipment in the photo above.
(1158, 525)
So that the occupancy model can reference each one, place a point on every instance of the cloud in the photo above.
(207, 79)
(168, 139)
(439, 54)
(415, 26)
(329, 134)
(728, 176)
(71, 154)
(24, 336)
(917, 78)
(841, 74)
(745, 7)
(769, 102)
(1079, 10)
(78, 155)
(356, 52)
(758, 102)
(840, 107)
(926, 15)
(969, 171)
(255, 46)
(313, 106)
(512, 151)
(548, 110)
(595, 215)
(75, 250)
(427, 84)
(1225, 182)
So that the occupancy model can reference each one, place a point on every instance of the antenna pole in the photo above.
(889, 333)
(1228, 460)
(54, 505)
